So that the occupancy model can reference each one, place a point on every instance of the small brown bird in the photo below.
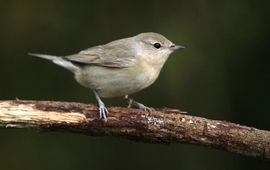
(119, 68)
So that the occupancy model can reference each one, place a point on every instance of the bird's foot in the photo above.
(103, 111)
(135, 104)
(142, 106)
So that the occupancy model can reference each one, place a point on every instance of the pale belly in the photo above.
(114, 82)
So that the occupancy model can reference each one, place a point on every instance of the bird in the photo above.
(118, 68)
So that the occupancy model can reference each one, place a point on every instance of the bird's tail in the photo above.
(57, 60)
(44, 56)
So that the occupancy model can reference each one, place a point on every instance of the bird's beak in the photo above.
(176, 47)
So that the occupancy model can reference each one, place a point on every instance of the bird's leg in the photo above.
(103, 112)
(135, 104)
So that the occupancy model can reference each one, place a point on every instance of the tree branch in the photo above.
(161, 126)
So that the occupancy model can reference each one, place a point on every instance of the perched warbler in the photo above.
(119, 68)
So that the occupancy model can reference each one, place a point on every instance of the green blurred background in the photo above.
(222, 74)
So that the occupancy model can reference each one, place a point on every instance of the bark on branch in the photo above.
(160, 126)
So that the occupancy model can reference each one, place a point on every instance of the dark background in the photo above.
(222, 74)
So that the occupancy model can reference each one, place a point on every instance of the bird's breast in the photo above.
(113, 82)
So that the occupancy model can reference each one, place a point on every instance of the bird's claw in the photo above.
(135, 104)
(103, 112)
(145, 108)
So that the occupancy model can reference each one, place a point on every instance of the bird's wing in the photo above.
(109, 55)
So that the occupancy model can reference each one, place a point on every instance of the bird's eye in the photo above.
(157, 45)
